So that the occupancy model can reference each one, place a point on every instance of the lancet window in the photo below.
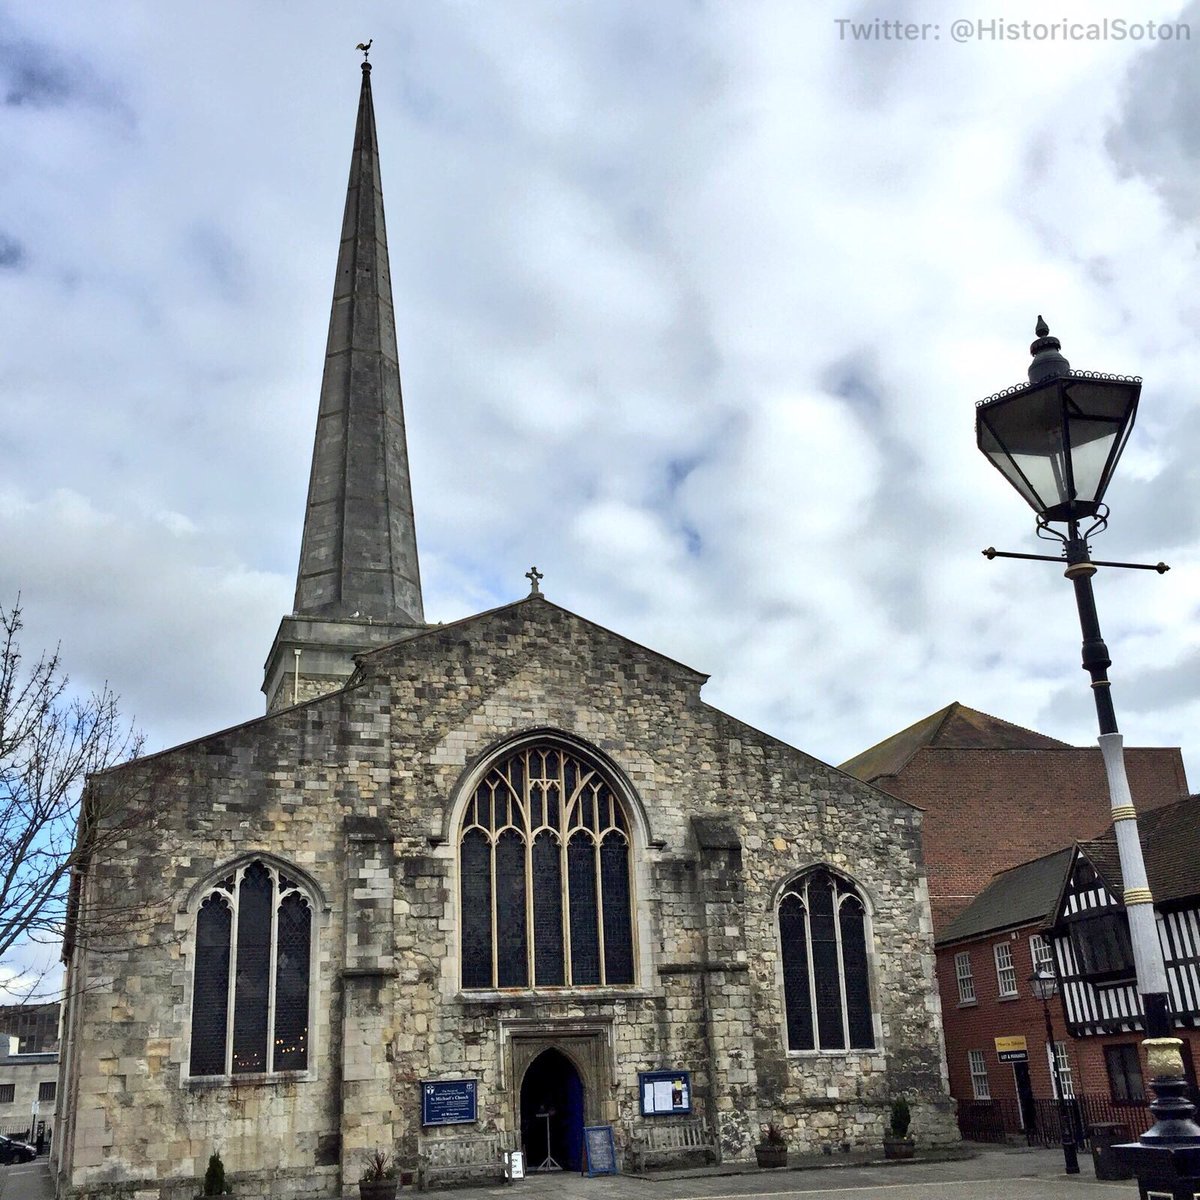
(545, 876)
(823, 945)
(250, 996)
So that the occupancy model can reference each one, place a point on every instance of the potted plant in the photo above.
(380, 1177)
(772, 1150)
(214, 1178)
(896, 1142)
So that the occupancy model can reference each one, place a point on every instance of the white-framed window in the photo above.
(823, 941)
(1041, 953)
(1006, 971)
(966, 981)
(252, 979)
(979, 1076)
(1064, 1071)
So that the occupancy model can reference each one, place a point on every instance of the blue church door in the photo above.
(552, 1110)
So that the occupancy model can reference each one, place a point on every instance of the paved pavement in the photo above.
(994, 1173)
(26, 1181)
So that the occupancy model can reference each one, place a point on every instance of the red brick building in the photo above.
(1064, 910)
(996, 795)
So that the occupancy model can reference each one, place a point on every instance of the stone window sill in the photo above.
(551, 995)
(204, 1082)
(968, 1003)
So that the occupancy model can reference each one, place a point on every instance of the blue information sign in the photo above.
(448, 1101)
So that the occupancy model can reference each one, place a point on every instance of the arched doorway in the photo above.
(552, 1107)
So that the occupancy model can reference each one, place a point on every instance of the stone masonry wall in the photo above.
(359, 791)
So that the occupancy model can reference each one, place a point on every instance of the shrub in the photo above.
(377, 1167)
(772, 1135)
(214, 1178)
(901, 1117)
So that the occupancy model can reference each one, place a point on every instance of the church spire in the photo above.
(358, 557)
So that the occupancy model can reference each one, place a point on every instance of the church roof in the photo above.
(390, 651)
(954, 727)
(358, 557)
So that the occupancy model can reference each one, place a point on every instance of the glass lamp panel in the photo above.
(1099, 415)
(1023, 436)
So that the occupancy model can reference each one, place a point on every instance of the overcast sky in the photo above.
(694, 302)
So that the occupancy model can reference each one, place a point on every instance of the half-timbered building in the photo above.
(1065, 911)
(1093, 955)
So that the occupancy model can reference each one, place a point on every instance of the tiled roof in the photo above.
(1170, 839)
(1018, 896)
(953, 727)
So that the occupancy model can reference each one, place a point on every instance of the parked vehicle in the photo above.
(14, 1151)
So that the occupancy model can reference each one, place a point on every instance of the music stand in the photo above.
(549, 1163)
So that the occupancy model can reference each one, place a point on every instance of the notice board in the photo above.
(665, 1093)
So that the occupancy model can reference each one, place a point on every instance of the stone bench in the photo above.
(662, 1141)
(460, 1159)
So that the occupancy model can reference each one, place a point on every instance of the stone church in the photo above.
(506, 876)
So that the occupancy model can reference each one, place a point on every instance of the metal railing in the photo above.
(1041, 1123)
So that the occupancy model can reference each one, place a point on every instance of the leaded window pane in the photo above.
(512, 959)
(514, 896)
(547, 912)
(797, 1000)
(476, 910)
(618, 930)
(826, 973)
(585, 934)
(826, 978)
(251, 992)
(293, 946)
(858, 985)
(210, 992)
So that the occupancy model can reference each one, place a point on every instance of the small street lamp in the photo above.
(1057, 440)
(1045, 987)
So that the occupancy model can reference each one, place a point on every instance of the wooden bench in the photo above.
(480, 1156)
(671, 1141)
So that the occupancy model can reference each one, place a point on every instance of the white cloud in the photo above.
(694, 303)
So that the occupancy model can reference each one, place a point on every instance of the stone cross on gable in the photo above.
(533, 575)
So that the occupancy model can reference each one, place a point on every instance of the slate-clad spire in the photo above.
(358, 557)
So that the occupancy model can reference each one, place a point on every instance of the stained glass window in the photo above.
(545, 876)
(260, 923)
(210, 998)
(826, 980)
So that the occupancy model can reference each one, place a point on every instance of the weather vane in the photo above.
(365, 47)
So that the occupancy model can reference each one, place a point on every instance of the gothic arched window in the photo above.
(823, 944)
(544, 868)
(252, 975)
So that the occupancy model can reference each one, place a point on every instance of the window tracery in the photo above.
(544, 865)
(823, 947)
(253, 967)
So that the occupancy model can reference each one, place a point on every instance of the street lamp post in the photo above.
(1057, 440)
(1044, 987)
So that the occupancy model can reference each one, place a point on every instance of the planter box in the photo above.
(898, 1147)
(771, 1156)
(378, 1189)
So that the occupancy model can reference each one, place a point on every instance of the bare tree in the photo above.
(50, 741)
